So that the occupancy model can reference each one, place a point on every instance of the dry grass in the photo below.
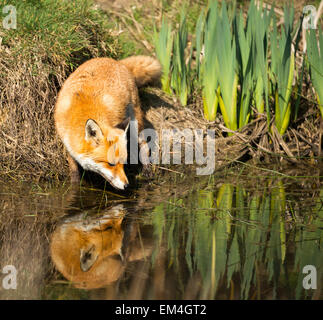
(301, 142)
(28, 141)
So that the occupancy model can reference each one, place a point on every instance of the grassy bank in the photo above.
(52, 38)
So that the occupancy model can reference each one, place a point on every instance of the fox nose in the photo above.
(126, 185)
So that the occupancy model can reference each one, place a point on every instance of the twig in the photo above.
(284, 145)
(163, 168)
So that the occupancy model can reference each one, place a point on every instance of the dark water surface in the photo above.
(240, 236)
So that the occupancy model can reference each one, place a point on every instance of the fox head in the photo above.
(93, 252)
(107, 151)
(89, 254)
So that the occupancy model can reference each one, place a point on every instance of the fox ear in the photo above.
(93, 131)
(124, 125)
(87, 258)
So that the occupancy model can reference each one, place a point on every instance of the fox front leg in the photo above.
(74, 170)
(147, 168)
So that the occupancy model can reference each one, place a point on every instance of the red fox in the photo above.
(92, 253)
(93, 111)
(89, 255)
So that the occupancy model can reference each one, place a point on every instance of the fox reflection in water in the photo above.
(94, 252)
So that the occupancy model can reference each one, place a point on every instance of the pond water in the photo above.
(236, 235)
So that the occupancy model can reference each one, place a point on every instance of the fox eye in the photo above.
(111, 164)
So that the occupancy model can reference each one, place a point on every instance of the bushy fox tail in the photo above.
(145, 69)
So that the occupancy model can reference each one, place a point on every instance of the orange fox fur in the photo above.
(92, 253)
(93, 111)
(89, 256)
